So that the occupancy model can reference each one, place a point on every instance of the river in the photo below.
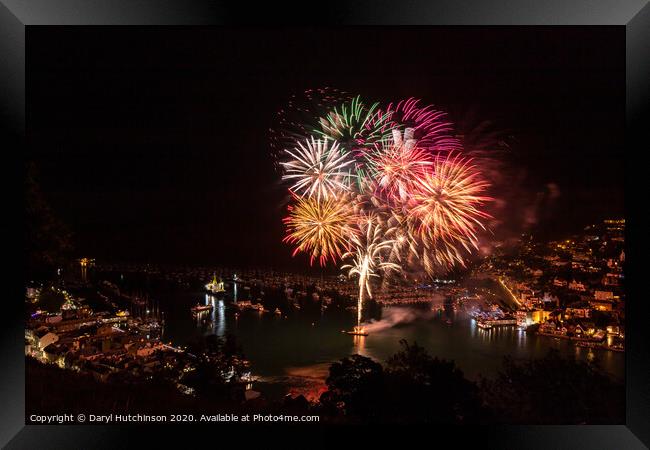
(292, 353)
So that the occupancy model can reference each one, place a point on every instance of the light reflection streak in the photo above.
(221, 320)
(359, 343)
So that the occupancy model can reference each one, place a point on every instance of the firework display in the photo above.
(379, 189)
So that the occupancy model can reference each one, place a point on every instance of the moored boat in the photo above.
(201, 308)
(357, 331)
(214, 286)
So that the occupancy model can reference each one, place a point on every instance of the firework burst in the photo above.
(317, 170)
(322, 228)
(430, 127)
(298, 119)
(356, 126)
(398, 165)
(445, 211)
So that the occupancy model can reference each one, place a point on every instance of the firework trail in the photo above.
(368, 258)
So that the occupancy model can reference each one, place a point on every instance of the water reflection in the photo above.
(217, 315)
(304, 339)
(359, 343)
(221, 319)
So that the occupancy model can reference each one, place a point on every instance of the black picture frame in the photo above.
(18, 16)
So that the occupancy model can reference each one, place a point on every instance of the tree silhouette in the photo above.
(554, 390)
(355, 384)
(413, 387)
(48, 240)
(422, 388)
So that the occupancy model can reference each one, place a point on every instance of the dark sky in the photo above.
(152, 144)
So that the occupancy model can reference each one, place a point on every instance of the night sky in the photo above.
(152, 144)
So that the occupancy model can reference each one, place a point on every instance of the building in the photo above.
(611, 279)
(601, 305)
(604, 295)
(581, 312)
(47, 339)
(577, 286)
(559, 282)
(526, 318)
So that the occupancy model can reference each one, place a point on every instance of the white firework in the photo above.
(369, 259)
(316, 170)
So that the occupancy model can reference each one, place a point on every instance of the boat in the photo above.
(214, 286)
(201, 308)
(357, 331)
(616, 348)
(247, 304)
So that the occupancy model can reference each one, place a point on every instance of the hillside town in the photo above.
(111, 345)
(571, 288)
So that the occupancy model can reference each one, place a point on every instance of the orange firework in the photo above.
(320, 227)
(445, 213)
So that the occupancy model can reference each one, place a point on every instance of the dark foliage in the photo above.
(217, 368)
(427, 389)
(414, 387)
(554, 390)
(47, 239)
(355, 384)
